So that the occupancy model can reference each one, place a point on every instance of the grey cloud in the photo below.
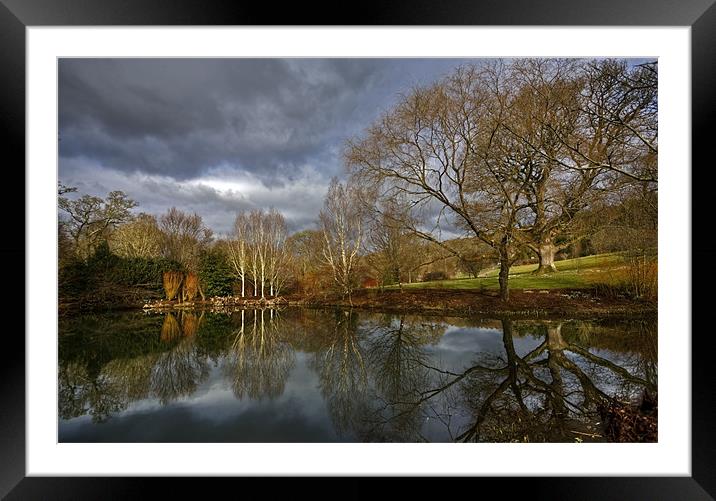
(157, 128)
(299, 201)
(179, 116)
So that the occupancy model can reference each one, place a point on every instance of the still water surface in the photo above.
(339, 376)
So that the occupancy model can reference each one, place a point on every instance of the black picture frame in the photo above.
(700, 15)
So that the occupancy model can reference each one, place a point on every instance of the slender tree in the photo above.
(238, 251)
(277, 255)
(303, 247)
(390, 247)
(342, 227)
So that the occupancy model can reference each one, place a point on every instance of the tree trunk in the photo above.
(546, 251)
(263, 283)
(504, 275)
(555, 342)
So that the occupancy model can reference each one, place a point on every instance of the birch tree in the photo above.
(277, 255)
(258, 252)
(342, 227)
(238, 251)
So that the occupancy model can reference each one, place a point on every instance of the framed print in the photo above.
(355, 247)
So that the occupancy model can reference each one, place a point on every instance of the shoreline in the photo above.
(572, 303)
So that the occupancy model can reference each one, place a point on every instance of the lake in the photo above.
(300, 375)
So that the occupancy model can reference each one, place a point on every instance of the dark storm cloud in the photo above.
(178, 117)
(222, 134)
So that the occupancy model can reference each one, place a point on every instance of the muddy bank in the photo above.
(577, 303)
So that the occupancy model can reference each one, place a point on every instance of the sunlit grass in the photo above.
(579, 264)
(571, 274)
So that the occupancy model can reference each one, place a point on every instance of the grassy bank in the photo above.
(578, 273)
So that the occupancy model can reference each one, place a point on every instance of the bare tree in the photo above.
(543, 105)
(303, 247)
(620, 118)
(258, 250)
(585, 128)
(255, 239)
(238, 251)
(510, 153)
(62, 189)
(183, 237)
(138, 238)
(92, 219)
(616, 124)
(442, 148)
(277, 255)
(389, 245)
(261, 250)
(342, 228)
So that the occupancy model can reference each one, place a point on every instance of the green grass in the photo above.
(571, 273)
(597, 261)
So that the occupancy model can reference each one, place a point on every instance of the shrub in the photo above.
(74, 279)
(642, 276)
(434, 275)
(102, 261)
(637, 279)
(191, 286)
(215, 274)
(105, 280)
(142, 271)
(106, 274)
(172, 282)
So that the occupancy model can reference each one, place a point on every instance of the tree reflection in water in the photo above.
(172, 370)
(178, 372)
(340, 364)
(398, 362)
(259, 360)
(81, 394)
(544, 395)
(381, 376)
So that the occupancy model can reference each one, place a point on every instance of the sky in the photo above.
(215, 136)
